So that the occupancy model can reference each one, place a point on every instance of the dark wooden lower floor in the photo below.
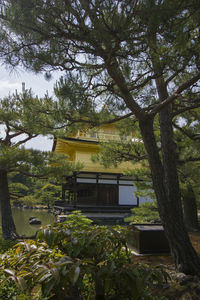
(65, 207)
(106, 215)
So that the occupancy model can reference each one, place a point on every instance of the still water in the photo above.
(21, 219)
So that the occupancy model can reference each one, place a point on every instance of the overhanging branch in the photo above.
(193, 137)
(184, 109)
(171, 98)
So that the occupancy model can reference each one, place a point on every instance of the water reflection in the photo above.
(21, 219)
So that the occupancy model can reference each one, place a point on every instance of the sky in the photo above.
(10, 81)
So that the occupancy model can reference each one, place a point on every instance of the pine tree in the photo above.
(21, 121)
(141, 56)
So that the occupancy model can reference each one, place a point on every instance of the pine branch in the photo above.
(15, 195)
(93, 123)
(30, 136)
(174, 96)
(180, 111)
(41, 176)
(145, 81)
(193, 137)
(189, 159)
(117, 76)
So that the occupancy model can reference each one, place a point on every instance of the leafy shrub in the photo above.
(28, 200)
(7, 289)
(80, 261)
(48, 193)
(76, 220)
(145, 213)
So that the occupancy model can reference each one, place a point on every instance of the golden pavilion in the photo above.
(95, 185)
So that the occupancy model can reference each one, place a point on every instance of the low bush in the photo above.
(78, 260)
(145, 213)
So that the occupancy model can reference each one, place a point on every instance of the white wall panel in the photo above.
(86, 180)
(125, 182)
(127, 196)
(108, 181)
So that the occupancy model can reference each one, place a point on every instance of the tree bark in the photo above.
(99, 289)
(8, 226)
(168, 197)
(190, 209)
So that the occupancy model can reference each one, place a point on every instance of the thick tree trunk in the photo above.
(166, 188)
(8, 226)
(190, 209)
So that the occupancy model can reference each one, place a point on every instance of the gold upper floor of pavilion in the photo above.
(105, 133)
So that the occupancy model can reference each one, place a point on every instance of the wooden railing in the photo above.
(103, 137)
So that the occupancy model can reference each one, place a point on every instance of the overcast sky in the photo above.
(11, 81)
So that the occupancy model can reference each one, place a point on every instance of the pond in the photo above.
(21, 219)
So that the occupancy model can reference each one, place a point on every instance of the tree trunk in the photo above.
(190, 209)
(166, 188)
(99, 289)
(8, 226)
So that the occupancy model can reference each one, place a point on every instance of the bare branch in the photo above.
(31, 136)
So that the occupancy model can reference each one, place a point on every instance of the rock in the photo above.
(61, 218)
(34, 221)
(17, 204)
(26, 207)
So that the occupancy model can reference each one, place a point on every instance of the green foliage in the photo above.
(76, 259)
(17, 190)
(25, 116)
(47, 193)
(5, 244)
(7, 287)
(145, 213)
(36, 190)
(29, 200)
(76, 220)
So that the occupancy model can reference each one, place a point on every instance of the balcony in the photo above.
(101, 137)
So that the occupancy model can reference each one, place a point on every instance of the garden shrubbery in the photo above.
(78, 260)
(145, 213)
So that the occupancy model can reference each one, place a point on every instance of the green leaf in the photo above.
(49, 236)
(21, 283)
(47, 287)
(10, 272)
(44, 277)
(54, 271)
(76, 274)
